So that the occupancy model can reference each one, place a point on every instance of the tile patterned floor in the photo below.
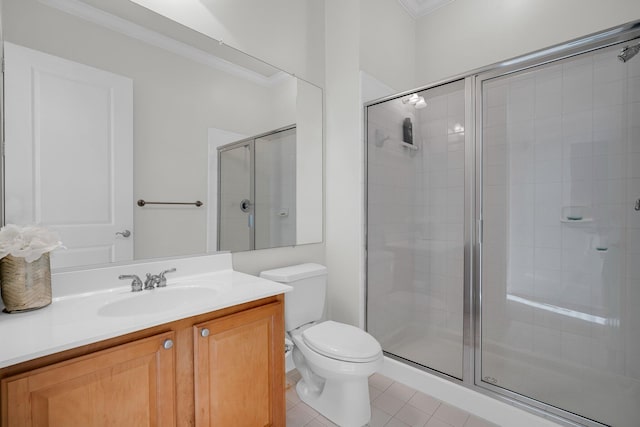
(392, 405)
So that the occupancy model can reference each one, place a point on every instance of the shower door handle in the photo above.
(637, 206)
(245, 205)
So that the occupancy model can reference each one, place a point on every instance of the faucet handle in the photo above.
(163, 280)
(136, 283)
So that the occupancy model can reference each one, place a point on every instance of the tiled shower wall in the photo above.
(558, 147)
(392, 172)
(561, 159)
(415, 228)
(440, 249)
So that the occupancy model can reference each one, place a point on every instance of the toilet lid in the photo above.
(342, 342)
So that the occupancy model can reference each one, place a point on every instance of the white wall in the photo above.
(388, 43)
(469, 34)
(344, 162)
(375, 36)
(309, 172)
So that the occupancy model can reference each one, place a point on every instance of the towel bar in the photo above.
(142, 202)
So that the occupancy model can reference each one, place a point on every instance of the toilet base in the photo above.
(344, 402)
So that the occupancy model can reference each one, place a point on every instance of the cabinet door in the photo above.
(128, 385)
(239, 369)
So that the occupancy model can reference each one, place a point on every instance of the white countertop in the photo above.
(80, 318)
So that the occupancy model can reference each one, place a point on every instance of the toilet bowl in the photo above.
(335, 387)
(334, 359)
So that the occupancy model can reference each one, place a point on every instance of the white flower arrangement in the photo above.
(29, 242)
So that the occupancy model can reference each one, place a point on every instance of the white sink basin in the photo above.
(158, 301)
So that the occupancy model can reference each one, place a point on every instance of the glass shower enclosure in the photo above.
(560, 250)
(503, 230)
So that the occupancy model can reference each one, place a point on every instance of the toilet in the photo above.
(335, 360)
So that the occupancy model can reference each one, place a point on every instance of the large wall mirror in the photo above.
(115, 119)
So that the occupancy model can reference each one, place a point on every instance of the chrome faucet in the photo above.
(136, 283)
(151, 281)
(163, 280)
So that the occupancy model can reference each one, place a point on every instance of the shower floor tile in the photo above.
(392, 405)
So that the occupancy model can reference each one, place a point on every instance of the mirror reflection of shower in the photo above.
(257, 192)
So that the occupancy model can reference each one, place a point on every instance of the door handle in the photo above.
(125, 233)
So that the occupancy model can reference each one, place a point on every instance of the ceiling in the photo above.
(418, 8)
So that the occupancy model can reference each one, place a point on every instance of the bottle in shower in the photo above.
(407, 131)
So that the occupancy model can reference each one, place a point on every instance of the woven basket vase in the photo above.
(25, 285)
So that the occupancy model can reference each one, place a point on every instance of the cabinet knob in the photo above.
(204, 332)
(167, 344)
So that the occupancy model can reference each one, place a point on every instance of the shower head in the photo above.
(628, 52)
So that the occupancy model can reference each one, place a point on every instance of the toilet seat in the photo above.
(342, 342)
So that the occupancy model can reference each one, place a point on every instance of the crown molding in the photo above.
(419, 8)
(114, 23)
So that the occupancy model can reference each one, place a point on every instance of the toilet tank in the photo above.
(305, 303)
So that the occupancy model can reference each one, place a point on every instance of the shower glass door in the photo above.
(275, 194)
(235, 206)
(415, 226)
(560, 252)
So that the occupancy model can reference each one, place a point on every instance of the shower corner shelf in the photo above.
(575, 221)
(381, 138)
(409, 146)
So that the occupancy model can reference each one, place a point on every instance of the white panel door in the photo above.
(69, 154)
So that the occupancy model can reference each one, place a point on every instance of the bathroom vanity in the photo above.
(215, 361)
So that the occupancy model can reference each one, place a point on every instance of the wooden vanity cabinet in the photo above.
(238, 370)
(174, 374)
(130, 384)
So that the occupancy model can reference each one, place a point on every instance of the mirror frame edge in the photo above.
(2, 139)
